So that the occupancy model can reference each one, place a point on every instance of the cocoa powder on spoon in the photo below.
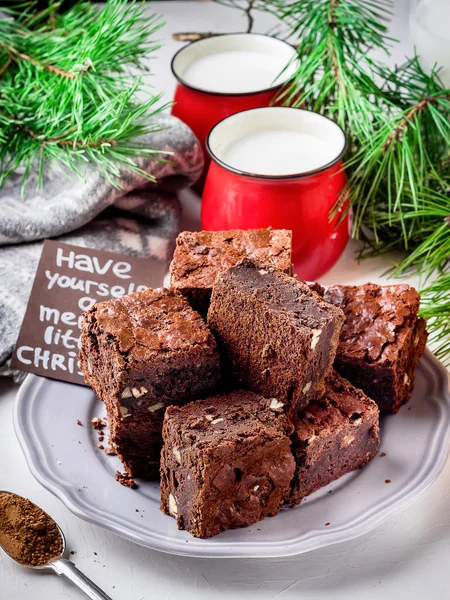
(27, 533)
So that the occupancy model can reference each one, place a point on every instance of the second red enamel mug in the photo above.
(279, 167)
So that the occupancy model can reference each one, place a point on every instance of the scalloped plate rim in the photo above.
(313, 540)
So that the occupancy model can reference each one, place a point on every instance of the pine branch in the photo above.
(398, 122)
(69, 88)
(16, 55)
(335, 74)
(405, 163)
(436, 309)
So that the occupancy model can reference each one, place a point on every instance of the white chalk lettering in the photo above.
(77, 284)
(41, 356)
(85, 303)
(88, 284)
(72, 361)
(117, 291)
(60, 258)
(58, 362)
(48, 334)
(64, 281)
(52, 279)
(86, 263)
(103, 289)
(56, 336)
(47, 314)
(102, 270)
(21, 357)
(120, 269)
(69, 318)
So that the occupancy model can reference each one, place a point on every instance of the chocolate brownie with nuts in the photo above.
(276, 335)
(333, 436)
(200, 256)
(226, 462)
(141, 353)
(381, 341)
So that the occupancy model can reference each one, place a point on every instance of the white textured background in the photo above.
(406, 558)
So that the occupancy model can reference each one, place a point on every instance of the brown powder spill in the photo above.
(27, 533)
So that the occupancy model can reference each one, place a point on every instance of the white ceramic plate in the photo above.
(64, 457)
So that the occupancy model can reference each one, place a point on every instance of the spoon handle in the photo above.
(61, 566)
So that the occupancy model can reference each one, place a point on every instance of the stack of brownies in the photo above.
(237, 373)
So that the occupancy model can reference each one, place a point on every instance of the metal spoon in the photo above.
(62, 566)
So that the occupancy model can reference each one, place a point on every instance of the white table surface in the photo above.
(405, 558)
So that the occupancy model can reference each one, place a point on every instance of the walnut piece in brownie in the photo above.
(381, 341)
(141, 353)
(226, 462)
(277, 336)
(333, 436)
(200, 256)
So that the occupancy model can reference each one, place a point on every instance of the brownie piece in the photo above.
(381, 341)
(141, 353)
(277, 336)
(333, 436)
(226, 462)
(200, 256)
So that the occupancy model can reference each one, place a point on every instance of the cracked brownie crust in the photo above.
(333, 436)
(226, 462)
(141, 353)
(277, 336)
(200, 256)
(381, 341)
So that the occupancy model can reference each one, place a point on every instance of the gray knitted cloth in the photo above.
(140, 219)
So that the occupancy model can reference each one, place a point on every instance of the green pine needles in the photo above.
(398, 125)
(336, 75)
(399, 177)
(69, 85)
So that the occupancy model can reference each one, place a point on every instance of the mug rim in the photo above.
(233, 94)
(286, 176)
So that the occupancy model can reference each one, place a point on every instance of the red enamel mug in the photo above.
(226, 74)
(279, 167)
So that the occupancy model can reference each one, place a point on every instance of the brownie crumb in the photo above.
(383, 454)
(95, 553)
(98, 423)
(125, 480)
(110, 451)
(387, 481)
(79, 422)
(100, 446)
(72, 552)
(101, 438)
(326, 524)
(137, 510)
